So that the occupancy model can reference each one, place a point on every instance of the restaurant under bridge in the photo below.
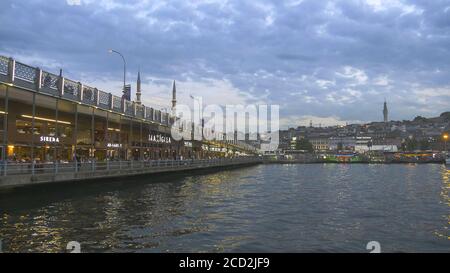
(47, 118)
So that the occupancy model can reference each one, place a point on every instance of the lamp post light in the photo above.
(445, 137)
(124, 66)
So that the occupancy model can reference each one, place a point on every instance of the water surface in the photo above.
(264, 208)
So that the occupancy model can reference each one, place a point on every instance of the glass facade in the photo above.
(56, 129)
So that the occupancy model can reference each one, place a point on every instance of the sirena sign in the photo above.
(49, 139)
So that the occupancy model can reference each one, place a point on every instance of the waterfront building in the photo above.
(127, 92)
(363, 141)
(293, 143)
(342, 143)
(376, 148)
(320, 144)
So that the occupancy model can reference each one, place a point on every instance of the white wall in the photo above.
(386, 148)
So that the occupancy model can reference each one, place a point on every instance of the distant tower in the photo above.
(385, 112)
(310, 124)
(138, 88)
(174, 95)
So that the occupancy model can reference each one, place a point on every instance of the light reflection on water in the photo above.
(266, 208)
(445, 199)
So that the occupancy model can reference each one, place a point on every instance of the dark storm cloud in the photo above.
(315, 58)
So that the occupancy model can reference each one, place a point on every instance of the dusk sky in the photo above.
(331, 62)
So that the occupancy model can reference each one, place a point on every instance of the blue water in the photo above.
(264, 208)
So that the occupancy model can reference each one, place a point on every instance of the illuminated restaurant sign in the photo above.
(213, 149)
(114, 145)
(49, 139)
(159, 138)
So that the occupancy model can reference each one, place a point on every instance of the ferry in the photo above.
(343, 157)
(417, 157)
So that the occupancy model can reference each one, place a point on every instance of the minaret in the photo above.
(385, 112)
(174, 95)
(138, 88)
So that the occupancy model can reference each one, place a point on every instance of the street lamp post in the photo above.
(124, 66)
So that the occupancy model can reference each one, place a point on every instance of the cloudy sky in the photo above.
(329, 61)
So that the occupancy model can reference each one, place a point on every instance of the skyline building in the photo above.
(385, 112)
(127, 92)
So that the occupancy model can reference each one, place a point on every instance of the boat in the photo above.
(344, 157)
(417, 157)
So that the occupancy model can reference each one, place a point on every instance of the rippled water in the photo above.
(265, 208)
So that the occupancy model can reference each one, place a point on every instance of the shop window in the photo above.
(25, 127)
(99, 135)
(2, 117)
(114, 136)
(84, 137)
(64, 130)
(51, 130)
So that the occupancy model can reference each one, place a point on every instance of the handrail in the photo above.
(13, 168)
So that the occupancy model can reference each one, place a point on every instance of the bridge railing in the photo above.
(89, 95)
(37, 80)
(10, 169)
(48, 84)
(104, 100)
(4, 63)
